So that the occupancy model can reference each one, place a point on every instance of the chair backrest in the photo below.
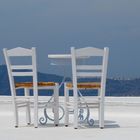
(19, 69)
(89, 70)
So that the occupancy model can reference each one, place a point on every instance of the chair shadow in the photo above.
(50, 125)
(108, 124)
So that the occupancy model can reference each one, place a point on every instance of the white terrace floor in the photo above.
(122, 122)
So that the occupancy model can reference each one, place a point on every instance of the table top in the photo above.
(59, 56)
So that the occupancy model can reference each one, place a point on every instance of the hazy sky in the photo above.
(53, 26)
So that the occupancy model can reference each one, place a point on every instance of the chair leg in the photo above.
(28, 114)
(101, 110)
(99, 106)
(36, 111)
(56, 105)
(16, 115)
(75, 111)
(66, 94)
(101, 115)
(75, 118)
(35, 117)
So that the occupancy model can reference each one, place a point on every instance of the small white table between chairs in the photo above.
(84, 70)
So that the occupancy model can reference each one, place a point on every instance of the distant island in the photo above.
(114, 87)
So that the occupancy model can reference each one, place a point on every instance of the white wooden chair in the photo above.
(87, 71)
(21, 70)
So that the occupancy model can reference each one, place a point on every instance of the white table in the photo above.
(60, 59)
(64, 59)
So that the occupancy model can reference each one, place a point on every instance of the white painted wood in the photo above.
(86, 71)
(89, 51)
(22, 73)
(89, 67)
(103, 86)
(74, 77)
(19, 51)
(28, 110)
(19, 101)
(59, 56)
(12, 85)
(24, 67)
(62, 56)
(89, 74)
(35, 89)
(66, 94)
(56, 105)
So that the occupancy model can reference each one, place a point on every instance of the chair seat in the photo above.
(86, 85)
(30, 84)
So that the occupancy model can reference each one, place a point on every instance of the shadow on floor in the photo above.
(108, 124)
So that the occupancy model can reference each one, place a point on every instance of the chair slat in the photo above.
(89, 51)
(18, 67)
(89, 67)
(89, 74)
(19, 52)
(22, 73)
